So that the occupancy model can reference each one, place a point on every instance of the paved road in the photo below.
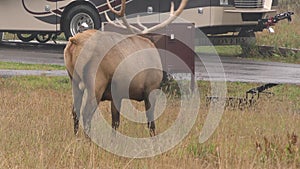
(34, 53)
(243, 70)
(236, 69)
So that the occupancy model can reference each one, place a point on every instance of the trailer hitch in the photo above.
(271, 21)
(251, 97)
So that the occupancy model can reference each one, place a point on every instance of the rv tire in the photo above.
(26, 37)
(80, 18)
(43, 37)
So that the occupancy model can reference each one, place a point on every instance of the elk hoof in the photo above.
(87, 130)
(152, 132)
(76, 128)
(75, 131)
(151, 126)
(115, 125)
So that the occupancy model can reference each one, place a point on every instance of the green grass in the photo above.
(37, 82)
(24, 66)
(255, 54)
(220, 50)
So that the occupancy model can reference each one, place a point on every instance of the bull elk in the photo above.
(80, 68)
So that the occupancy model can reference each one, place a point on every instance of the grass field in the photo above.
(36, 131)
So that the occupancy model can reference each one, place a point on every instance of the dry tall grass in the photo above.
(36, 132)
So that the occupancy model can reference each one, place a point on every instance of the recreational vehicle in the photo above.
(42, 19)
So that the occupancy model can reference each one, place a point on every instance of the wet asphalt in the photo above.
(207, 67)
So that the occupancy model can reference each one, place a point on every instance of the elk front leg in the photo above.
(115, 114)
(150, 115)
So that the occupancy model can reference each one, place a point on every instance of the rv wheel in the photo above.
(80, 18)
(26, 37)
(43, 37)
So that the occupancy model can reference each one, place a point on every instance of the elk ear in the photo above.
(73, 40)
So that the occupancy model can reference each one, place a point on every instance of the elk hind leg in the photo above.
(115, 114)
(149, 105)
(92, 99)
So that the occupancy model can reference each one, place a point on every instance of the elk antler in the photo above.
(133, 29)
(120, 14)
(122, 10)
